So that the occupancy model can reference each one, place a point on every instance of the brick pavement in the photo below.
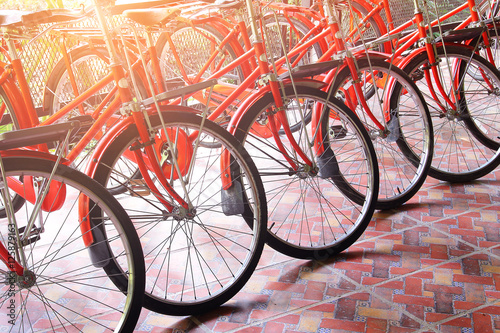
(430, 266)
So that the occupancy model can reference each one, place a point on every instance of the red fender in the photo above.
(16, 100)
(118, 129)
(183, 148)
(56, 194)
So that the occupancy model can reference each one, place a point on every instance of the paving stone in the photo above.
(432, 265)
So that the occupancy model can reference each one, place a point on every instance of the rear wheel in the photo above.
(466, 139)
(352, 13)
(194, 46)
(65, 283)
(285, 32)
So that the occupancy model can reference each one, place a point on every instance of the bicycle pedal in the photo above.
(338, 132)
(138, 188)
(328, 166)
(33, 236)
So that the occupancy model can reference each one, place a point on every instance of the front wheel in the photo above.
(466, 134)
(404, 145)
(196, 258)
(310, 215)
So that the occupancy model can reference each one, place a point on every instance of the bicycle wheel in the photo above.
(199, 258)
(465, 139)
(351, 16)
(193, 53)
(488, 8)
(309, 214)
(89, 65)
(286, 31)
(404, 146)
(194, 46)
(61, 287)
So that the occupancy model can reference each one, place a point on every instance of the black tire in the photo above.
(405, 146)
(306, 205)
(239, 213)
(465, 141)
(90, 64)
(70, 289)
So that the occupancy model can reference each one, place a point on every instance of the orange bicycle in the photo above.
(191, 214)
(50, 277)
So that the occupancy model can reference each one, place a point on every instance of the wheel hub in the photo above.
(376, 133)
(181, 213)
(452, 115)
(27, 281)
(307, 171)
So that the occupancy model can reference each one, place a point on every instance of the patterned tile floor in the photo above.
(430, 266)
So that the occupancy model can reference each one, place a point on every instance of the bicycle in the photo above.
(459, 129)
(457, 84)
(178, 185)
(419, 147)
(65, 265)
(123, 178)
(301, 161)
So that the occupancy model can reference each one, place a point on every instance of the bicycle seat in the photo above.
(8, 17)
(225, 4)
(119, 8)
(23, 18)
(153, 16)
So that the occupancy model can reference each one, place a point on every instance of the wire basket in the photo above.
(39, 56)
(403, 10)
